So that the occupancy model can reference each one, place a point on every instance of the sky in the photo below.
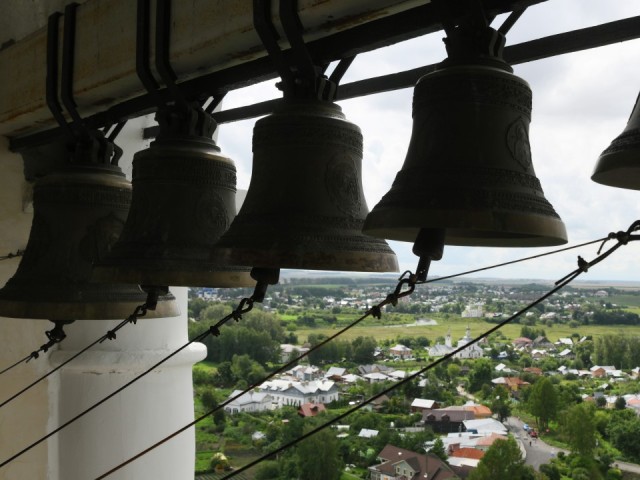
(581, 102)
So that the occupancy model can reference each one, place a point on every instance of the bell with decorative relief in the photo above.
(79, 212)
(183, 201)
(305, 205)
(619, 164)
(468, 170)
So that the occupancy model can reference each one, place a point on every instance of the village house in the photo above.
(521, 343)
(472, 351)
(446, 420)
(398, 463)
(305, 373)
(598, 371)
(335, 374)
(311, 409)
(423, 404)
(473, 311)
(249, 402)
(288, 352)
(284, 392)
(514, 384)
(401, 352)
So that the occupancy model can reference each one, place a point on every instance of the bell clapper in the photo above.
(55, 335)
(429, 245)
(153, 293)
(264, 277)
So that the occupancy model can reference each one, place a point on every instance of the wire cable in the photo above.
(76, 355)
(583, 266)
(18, 253)
(25, 359)
(373, 311)
(140, 311)
(511, 262)
(55, 335)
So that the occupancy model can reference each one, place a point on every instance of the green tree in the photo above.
(224, 377)
(551, 471)
(480, 374)
(438, 450)
(579, 425)
(501, 403)
(621, 403)
(623, 431)
(243, 367)
(267, 470)
(363, 349)
(318, 456)
(503, 460)
(543, 402)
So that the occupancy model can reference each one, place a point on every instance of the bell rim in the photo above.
(290, 258)
(618, 169)
(466, 230)
(103, 310)
(199, 274)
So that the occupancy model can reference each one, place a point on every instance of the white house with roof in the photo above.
(368, 433)
(249, 402)
(485, 426)
(400, 351)
(375, 377)
(335, 373)
(472, 351)
(473, 311)
(285, 392)
(305, 372)
(289, 352)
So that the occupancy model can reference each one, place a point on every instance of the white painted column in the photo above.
(25, 419)
(138, 417)
(146, 412)
(143, 414)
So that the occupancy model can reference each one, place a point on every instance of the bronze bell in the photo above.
(619, 164)
(305, 206)
(468, 169)
(183, 200)
(79, 212)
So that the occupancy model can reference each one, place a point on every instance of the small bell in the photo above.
(183, 201)
(619, 164)
(305, 205)
(79, 212)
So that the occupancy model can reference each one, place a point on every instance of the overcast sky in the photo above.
(581, 102)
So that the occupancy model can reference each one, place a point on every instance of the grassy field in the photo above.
(626, 300)
(458, 326)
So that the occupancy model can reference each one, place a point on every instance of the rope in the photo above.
(511, 262)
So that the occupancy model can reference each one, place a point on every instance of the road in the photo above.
(538, 452)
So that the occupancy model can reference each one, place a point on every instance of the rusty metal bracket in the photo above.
(301, 76)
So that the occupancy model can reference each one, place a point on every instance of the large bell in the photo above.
(79, 212)
(619, 164)
(468, 169)
(305, 206)
(183, 200)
